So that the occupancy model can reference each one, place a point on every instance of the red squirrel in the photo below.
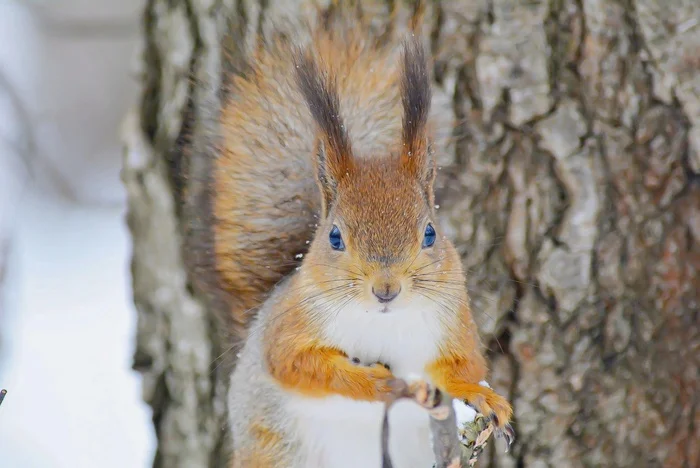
(329, 143)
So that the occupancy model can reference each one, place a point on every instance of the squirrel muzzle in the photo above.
(386, 287)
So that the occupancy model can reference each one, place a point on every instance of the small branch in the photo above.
(455, 444)
(386, 459)
(446, 444)
(480, 439)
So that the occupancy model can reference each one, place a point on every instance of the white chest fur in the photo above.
(343, 433)
(406, 338)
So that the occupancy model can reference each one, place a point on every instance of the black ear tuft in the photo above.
(416, 157)
(321, 95)
(334, 153)
(415, 96)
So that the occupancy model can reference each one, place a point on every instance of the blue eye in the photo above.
(336, 239)
(429, 238)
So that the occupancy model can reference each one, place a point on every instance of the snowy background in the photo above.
(66, 316)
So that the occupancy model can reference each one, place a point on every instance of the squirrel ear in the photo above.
(416, 157)
(334, 158)
(329, 170)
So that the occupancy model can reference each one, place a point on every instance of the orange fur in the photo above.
(267, 452)
(321, 371)
(302, 363)
(262, 173)
(462, 366)
(357, 119)
(459, 377)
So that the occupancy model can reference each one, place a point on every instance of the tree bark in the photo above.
(570, 186)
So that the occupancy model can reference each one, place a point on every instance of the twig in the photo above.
(443, 423)
(386, 459)
(455, 445)
(446, 445)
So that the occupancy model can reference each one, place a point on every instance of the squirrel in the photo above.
(326, 148)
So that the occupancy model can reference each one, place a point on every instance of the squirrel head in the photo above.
(378, 242)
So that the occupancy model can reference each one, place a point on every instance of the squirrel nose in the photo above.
(386, 293)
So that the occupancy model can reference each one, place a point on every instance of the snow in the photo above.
(66, 319)
(68, 336)
(465, 413)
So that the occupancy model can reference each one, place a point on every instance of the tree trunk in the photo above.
(570, 187)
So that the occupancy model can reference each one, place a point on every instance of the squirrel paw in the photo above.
(497, 410)
(426, 395)
(358, 362)
(382, 377)
(419, 390)
(381, 374)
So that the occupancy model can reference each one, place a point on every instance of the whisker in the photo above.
(455, 299)
(335, 267)
(220, 356)
(409, 265)
(428, 264)
(449, 288)
(330, 294)
(311, 285)
(430, 281)
(441, 272)
(343, 304)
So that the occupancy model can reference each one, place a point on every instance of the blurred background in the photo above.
(67, 320)
(570, 184)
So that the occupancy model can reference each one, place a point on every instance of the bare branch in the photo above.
(454, 445)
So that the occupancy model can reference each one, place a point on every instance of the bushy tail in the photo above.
(250, 190)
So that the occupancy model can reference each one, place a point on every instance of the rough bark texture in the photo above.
(571, 188)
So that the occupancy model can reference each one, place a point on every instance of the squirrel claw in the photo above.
(507, 432)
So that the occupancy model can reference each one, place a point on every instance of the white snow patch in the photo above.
(465, 413)
(73, 400)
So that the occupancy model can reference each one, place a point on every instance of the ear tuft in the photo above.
(415, 92)
(334, 153)
(320, 92)
(416, 97)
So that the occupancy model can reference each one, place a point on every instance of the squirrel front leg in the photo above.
(458, 371)
(454, 374)
(319, 371)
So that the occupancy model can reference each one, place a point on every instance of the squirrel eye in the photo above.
(336, 239)
(429, 238)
